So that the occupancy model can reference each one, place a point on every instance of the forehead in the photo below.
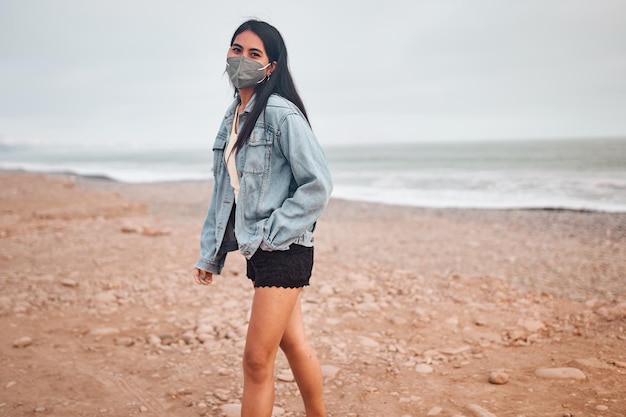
(249, 40)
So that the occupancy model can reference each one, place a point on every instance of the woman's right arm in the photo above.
(210, 260)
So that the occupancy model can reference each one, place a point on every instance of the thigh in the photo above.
(272, 309)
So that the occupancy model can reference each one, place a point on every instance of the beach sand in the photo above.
(412, 311)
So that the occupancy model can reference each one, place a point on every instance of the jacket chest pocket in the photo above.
(218, 154)
(258, 152)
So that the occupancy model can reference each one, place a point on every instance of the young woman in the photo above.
(271, 184)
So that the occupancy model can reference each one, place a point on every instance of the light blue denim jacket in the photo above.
(284, 184)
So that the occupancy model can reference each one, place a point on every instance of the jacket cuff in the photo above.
(209, 266)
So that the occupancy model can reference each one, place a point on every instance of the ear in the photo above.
(272, 67)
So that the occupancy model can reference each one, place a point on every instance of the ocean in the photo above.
(575, 174)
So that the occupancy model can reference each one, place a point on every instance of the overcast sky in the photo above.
(148, 73)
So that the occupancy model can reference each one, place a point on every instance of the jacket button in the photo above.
(239, 174)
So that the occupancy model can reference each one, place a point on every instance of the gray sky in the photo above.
(149, 73)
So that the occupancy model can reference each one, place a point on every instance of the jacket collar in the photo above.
(230, 113)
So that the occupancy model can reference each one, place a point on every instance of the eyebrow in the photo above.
(252, 49)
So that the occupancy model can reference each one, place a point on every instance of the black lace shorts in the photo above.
(287, 269)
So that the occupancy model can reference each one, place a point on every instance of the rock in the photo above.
(601, 407)
(124, 341)
(456, 350)
(204, 337)
(231, 410)
(368, 342)
(613, 313)
(620, 364)
(10, 384)
(106, 297)
(222, 394)
(423, 368)
(22, 342)
(167, 339)
(153, 232)
(593, 363)
(154, 340)
(130, 229)
(560, 373)
(498, 377)
(69, 283)
(188, 337)
(435, 411)
(104, 331)
(478, 411)
(326, 290)
(531, 325)
(40, 409)
(285, 376)
(330, 371)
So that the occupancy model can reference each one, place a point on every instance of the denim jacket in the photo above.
(284, 185)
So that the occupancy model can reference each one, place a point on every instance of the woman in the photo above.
(271, 184)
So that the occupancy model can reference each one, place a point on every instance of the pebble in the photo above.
(532, 325)
(613, 313)
(368, 342)
(435, 411)
(478, 411)
(69, 283)
(498, 377)
(10, 384)
(620, 364)
(124, 341)
(593, 363)
(22, 342)
(104, 331)
(455, 350)
(154, 340)
(106, 297)
(285, 376)
(221, 394)
(330, 371)
(560, 373)
(40, 409)
(423, 368)
(601, 407)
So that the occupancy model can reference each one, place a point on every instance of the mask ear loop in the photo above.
(267, 78)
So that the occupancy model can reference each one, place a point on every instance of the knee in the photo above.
(257, 363)
(293, 347)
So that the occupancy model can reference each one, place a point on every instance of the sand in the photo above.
(412, 311)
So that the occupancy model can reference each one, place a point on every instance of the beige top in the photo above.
(230, 157)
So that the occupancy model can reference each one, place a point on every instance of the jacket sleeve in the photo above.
(209, 259)
(312, 176)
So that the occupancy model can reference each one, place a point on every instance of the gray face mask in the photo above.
(245, 72)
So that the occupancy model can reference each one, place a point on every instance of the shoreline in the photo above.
(100, 181)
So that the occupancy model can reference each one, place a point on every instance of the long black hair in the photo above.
(280, 82)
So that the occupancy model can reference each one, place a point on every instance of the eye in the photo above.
(236, 49)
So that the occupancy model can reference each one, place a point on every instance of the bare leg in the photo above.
(271, 311)
(304, 364)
